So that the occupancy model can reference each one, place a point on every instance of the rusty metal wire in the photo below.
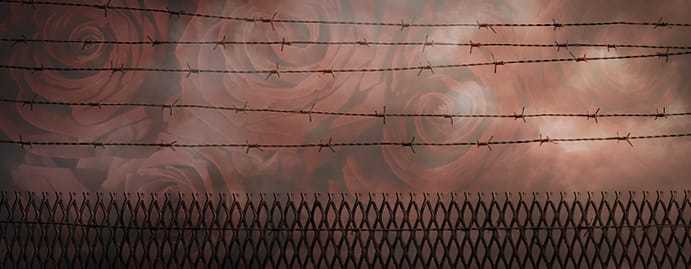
(277, 71)
(403, 25)
(246, 108)
(430, 230)
(424, 44)
(331, 145)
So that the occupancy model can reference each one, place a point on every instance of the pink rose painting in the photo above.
(165, 40)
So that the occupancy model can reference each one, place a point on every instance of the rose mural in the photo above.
(615, 86)
(318, 91)
(36, 122)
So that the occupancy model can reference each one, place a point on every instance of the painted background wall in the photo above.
(614, 86)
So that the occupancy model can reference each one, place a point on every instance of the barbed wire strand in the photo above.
(223, 42)
(245, 108)
(403, 25)
(277, 71)
(331, 145)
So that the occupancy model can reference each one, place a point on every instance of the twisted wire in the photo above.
(523, 115)
(276, 72)
(106, 6)
(331, 145)
(223, 42)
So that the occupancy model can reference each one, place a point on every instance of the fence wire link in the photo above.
(245, 108)
(403, 25)
(283, 43)
(277, 71)
(24, 144)
(428, 230)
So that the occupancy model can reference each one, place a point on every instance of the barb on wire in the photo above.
(488, 144)
(105, 8)
(329, 145)
(171, 106)
(496, 63)
(173, 14)
(21, 40)
(329, 71)
(309, 113)
(472, 45)
(611, 46)
(594, 115)
(23, 144)
(626, 138)
(664, 55)
(221, 42)
(410, 145)
(546, 139)
(87, 43)
(564, 45)
(661, 23)
(285, 43)
(556, 25)
(30, 103)
(38, 69)
(30, 3)
(427, 43)
(661, 114)
(245, 108)
(403, 25)
(277, 72)
(382, 115)
(450, 117)
(578, 59)
(520, 116)
(426, 67)
(486, 25)
(171, 145)
(154, 43)
(274, 72)
(191, 71)
(99, 144)
(113, 69)
(271, 21)
(247, 146)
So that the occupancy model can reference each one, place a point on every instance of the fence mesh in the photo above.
(430, 230)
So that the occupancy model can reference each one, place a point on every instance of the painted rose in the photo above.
(318, 91)
(61, 123)
(86, 87)
(164, 171)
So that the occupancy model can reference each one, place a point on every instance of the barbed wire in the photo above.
(245, 108)
(411, 144)
(277, 71)
(107, 6)
(283, 43)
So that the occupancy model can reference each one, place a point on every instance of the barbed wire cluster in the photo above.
(246, 108)
(331, 145)
(278, 71)
(403, 24)
(364, 43)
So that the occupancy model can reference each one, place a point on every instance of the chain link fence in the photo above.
(412, 230)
